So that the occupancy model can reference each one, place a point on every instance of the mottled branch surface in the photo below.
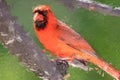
(18, 42)
(101, 8)
(92, 6)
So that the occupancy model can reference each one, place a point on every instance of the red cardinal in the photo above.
(64, 42)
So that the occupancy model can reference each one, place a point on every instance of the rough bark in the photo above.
(18, 42)
(92, 6)
(101, 8)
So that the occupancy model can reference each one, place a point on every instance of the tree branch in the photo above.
(99, 7)
(92, 6)
(18, 42)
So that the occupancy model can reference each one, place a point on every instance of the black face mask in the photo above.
(41, 24)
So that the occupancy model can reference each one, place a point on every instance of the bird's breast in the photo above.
(52, 43)
(48, 39)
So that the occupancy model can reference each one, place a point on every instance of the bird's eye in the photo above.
(44, 13)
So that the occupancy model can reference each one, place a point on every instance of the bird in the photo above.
(65, 43)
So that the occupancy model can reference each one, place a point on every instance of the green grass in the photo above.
(102, 32)
(11, 69)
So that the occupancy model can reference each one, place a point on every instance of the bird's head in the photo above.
(41, 15)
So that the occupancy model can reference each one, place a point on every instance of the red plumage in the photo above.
(64, 42)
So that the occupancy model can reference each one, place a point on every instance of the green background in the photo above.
(101, 31)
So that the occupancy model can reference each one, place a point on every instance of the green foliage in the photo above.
(11, 69)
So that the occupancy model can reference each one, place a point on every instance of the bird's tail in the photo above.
(100, 63)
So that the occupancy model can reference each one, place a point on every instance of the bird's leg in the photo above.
(62, 66)
(79, 63)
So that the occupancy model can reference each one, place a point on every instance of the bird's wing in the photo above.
(72, 38)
